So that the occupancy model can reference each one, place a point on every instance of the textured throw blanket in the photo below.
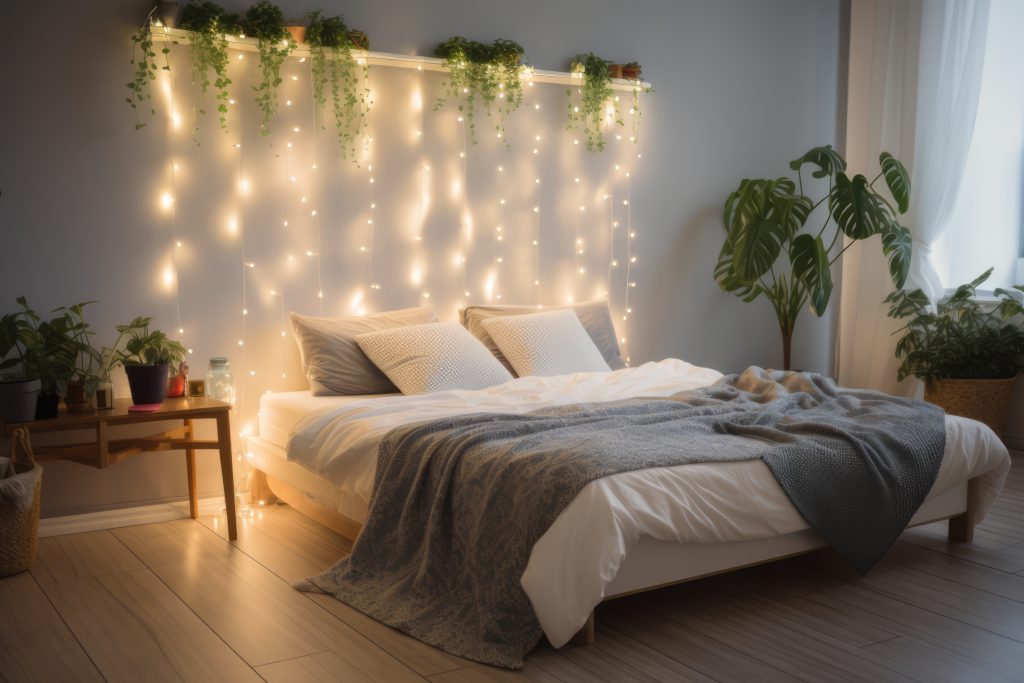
(459, 503)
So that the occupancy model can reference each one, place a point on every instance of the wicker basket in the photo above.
(984, 400)
(19, 508)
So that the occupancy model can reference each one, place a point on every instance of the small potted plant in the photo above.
(631, 71)
(84, 379)
(147, 357)
(47, 350)
(590, 112)
(967, 353)
(615, 70)
(209, 47)
(18, 391)
(488, 74)
(335, 71)
(266, 22)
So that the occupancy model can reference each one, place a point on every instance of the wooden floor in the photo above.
(176, 601)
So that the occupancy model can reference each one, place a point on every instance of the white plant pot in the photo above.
(18, 400)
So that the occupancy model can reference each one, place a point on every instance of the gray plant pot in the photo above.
(18, 400)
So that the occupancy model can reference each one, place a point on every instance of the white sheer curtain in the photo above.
(915, 76)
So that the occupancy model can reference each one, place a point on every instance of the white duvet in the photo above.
(575, 560)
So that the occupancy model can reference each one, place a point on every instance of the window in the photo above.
(986, 228)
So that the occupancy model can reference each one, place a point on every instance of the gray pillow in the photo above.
(595, 316)
(333, 362)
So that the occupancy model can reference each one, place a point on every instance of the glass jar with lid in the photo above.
(219, 382)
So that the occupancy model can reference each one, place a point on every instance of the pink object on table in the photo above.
(145, 408)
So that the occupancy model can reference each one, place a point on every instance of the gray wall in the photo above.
(742, 86)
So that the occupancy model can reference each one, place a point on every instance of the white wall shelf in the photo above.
(162, 34)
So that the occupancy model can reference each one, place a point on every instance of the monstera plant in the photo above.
(770, 250)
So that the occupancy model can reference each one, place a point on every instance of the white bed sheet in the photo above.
(574, 561)
(280, 411)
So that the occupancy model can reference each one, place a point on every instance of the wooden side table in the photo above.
(104, 450)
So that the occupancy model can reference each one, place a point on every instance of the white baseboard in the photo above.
(113, 519)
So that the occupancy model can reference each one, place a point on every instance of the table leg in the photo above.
(190, 464)
(226, 473)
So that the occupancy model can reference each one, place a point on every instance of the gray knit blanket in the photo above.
(458, 503)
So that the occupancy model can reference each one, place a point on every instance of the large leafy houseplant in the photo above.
(596, 102)
(209, 50)
(265, 21)
(488, 74)
(334, 68)
(767, 252)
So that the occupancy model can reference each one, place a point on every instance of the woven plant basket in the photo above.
(19, 508)
(984, 400)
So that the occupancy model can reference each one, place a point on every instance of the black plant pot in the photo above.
(46, 406)
(147, 382)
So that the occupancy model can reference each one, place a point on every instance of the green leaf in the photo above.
(857, 210)
(825, 158)
(811, 268)
(727, 278)
(897, 245)
(897, 179)
(756, 247)
(906, 303)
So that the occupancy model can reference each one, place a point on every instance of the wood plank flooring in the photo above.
(176, 601)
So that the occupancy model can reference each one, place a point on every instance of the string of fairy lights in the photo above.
(304, 192)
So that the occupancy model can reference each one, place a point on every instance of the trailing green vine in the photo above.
(589, 112)
(486, 73)
(265, 21)
(144, 68)
(331, 43)
(209, 47)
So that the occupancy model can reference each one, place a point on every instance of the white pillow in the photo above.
(422, 359)
(549, 343)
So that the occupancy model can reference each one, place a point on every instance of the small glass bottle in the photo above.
(103, 398)
(219, 383)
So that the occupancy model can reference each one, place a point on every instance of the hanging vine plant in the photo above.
(265, 21)
(335, 69)
(596, 103)
(144, 68)
(632, 71)
(486, 73)
(209, 47)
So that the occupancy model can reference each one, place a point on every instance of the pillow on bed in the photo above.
(332, 360)
(594, 315)
(548, 343)
(422, 359)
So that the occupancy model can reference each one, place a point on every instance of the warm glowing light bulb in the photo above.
(288, 103)
(166, 200)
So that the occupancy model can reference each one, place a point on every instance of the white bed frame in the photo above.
(653, 564)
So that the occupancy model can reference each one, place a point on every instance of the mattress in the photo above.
(281, 411)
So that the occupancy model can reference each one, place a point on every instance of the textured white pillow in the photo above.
(549, 343)
(422, 359)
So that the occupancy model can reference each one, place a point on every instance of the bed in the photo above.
(622, 534)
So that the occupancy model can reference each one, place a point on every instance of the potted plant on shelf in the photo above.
(18, 391)
(483, 73)
(596, 104)
(266, 23)
(335, 69)
(46, 350)
(966, 352)
(209, 49)
(81, 386)
(615, 70)
(631, 71)
(144, 68)
(766, 252)
(147, 357)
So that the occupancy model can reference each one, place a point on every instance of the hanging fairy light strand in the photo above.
(170, 199)
(497, 240)
(630, 260)
(314, 214)
(464, 228)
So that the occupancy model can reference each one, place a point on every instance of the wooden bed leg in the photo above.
(961, 527)
(259, 490)
(585, 636)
